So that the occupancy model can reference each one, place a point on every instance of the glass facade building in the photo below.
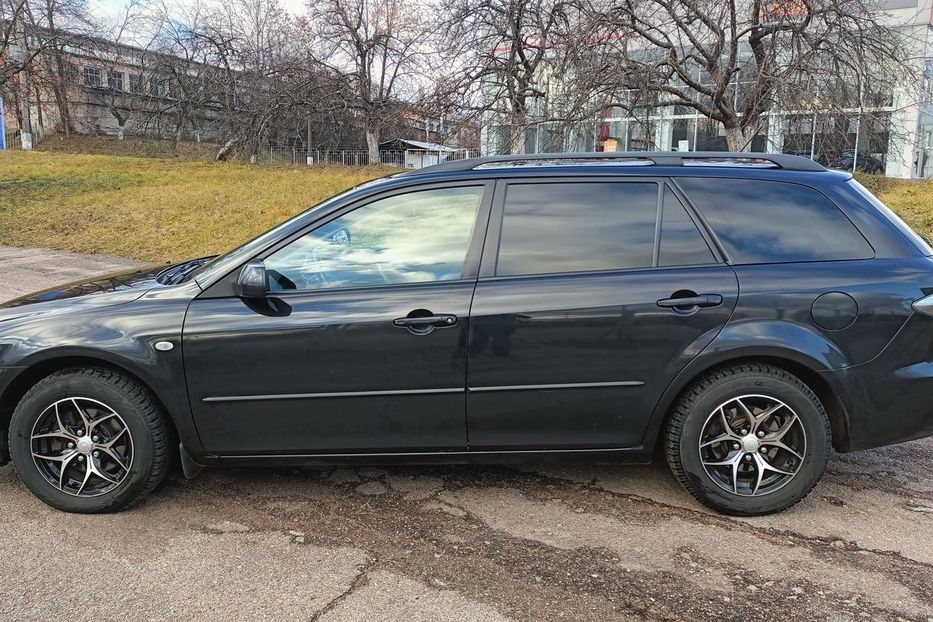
(890, 133)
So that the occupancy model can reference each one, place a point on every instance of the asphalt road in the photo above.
(539, 542)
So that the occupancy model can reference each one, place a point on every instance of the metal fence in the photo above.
(13, 142)
(411, 158)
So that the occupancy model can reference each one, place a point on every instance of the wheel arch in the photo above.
(28, 376)
(791, 362)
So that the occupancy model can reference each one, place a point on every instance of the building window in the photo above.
(92, 76)
(157, 88)
(71, 73)
(136, 83)
(115, 80)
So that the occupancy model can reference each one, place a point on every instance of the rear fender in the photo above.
(788, 345)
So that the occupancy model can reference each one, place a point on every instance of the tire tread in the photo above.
(152, 414)
(684, 408)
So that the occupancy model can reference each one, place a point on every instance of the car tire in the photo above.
(737, 422)
(126, 446)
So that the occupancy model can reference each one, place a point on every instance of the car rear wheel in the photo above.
(748, 440)
(89, 440)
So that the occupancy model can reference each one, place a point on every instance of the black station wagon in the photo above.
(741, 313)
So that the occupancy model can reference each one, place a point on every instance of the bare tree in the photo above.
(261, 82)
(735, 60)
(381, 47)
(116, 54)
(14, 58)
(33, 36)
(513, 48)
(247, 41)
(18, 51)
(59, 23)
(182, 77)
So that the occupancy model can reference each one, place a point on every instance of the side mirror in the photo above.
(251, 282)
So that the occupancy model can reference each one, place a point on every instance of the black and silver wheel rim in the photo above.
(752, 445)
(82, 447)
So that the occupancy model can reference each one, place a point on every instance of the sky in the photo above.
(112, 11)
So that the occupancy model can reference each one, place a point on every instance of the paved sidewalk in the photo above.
(25, 270)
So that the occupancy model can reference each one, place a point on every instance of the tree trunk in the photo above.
(740, 138)
(226, 149)
(518, 128)
(25, 127)
(121, 120)
(59, 87)
(179, 131)
(372, 145)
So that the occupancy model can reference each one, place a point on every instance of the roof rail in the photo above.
(648, 158)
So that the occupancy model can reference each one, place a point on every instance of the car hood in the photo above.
(107, 289)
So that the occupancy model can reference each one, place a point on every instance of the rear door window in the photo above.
(577, 226)
(682, 244)
(774, 222)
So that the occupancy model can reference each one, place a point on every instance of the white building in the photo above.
(895, 137)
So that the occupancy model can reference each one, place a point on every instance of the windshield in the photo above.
(254, 246)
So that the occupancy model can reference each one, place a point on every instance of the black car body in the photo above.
(866, 162)
(564, 328)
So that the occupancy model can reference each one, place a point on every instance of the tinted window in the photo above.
(767, 221)
(572, 227)
(919, 240)
(416, 237)
(681, 241)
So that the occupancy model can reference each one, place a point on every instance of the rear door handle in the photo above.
(703, 300)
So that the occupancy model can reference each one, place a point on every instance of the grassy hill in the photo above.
(156, 209)
(153, 209)
(133, 146)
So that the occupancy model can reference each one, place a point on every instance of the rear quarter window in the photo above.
(774, 222)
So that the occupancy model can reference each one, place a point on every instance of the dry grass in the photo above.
(132, 146)
(912, 200)
(153, 209)
(161, 209)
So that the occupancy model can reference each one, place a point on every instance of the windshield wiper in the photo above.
(173, 275)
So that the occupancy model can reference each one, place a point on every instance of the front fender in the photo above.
(122, 336)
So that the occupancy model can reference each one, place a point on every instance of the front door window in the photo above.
(417, 237)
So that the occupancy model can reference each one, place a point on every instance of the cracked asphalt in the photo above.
(463, 543)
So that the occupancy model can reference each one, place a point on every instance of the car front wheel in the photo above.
(748, 440)
(89, 440)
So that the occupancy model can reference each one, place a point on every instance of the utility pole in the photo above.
(19, 27)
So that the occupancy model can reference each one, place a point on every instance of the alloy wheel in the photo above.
(752, 445)
(82, 447)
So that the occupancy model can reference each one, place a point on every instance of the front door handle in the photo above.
(689, 302)
(444, 319)
(422, 322)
